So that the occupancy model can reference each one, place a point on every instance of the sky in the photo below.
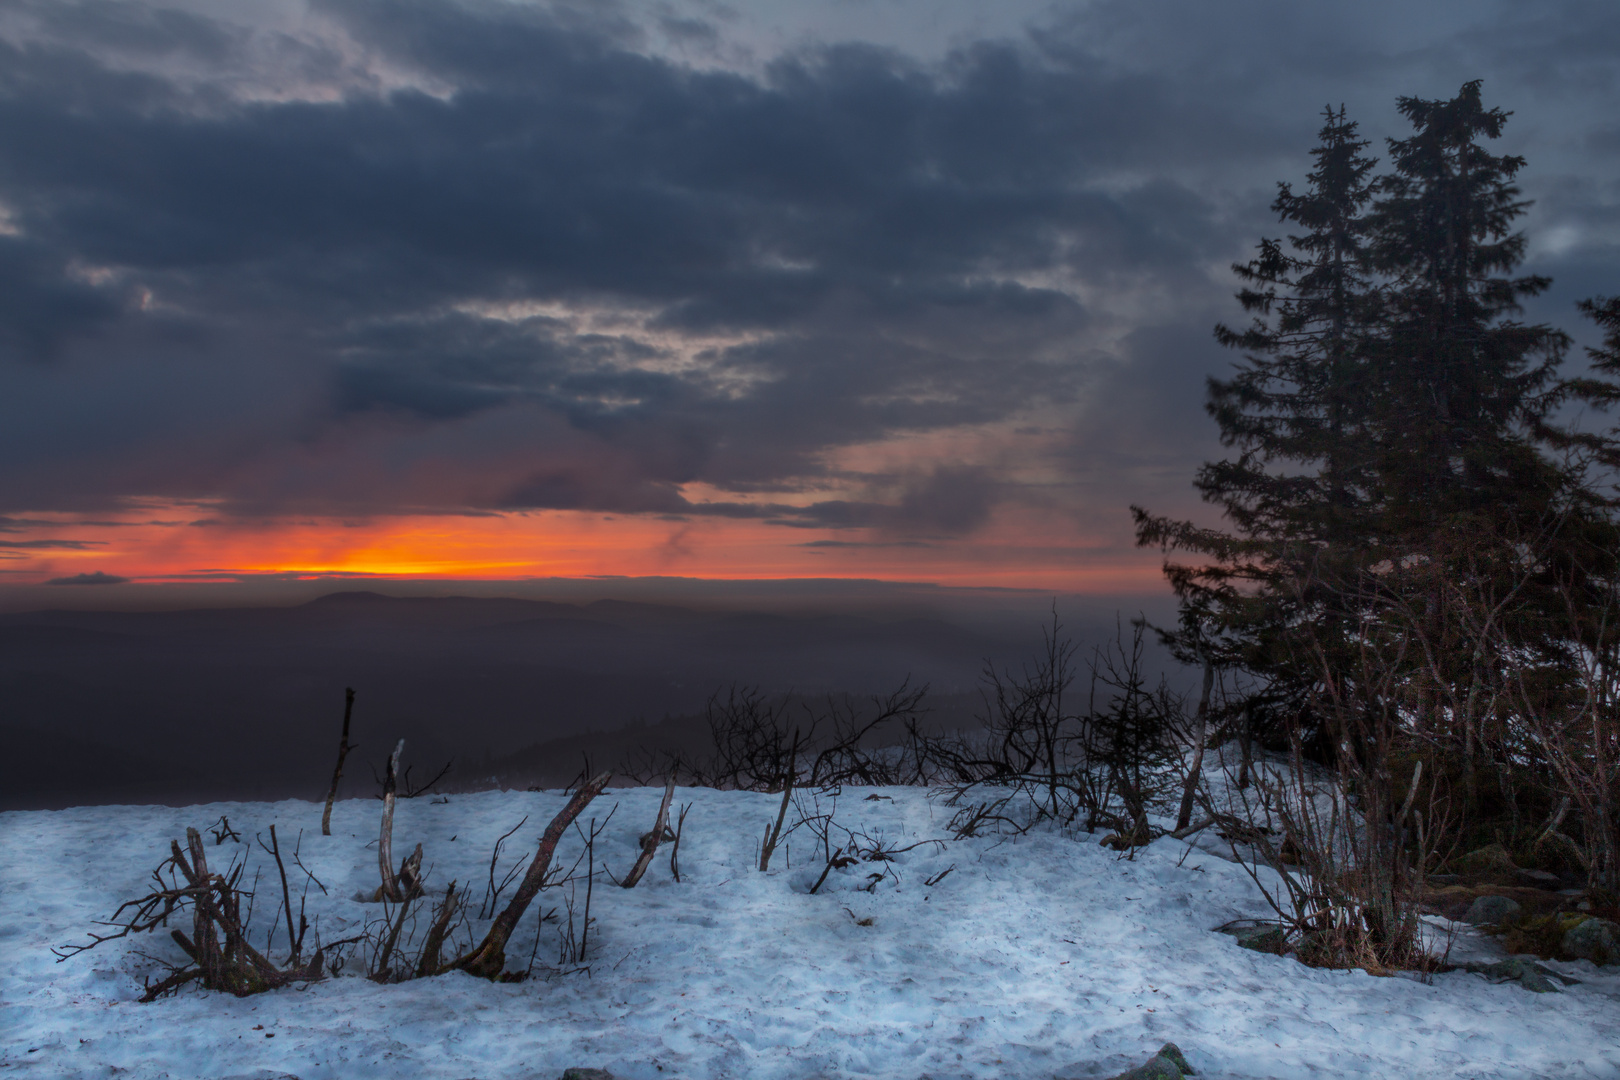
(908, 290)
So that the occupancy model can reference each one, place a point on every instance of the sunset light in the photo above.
(1017, 549)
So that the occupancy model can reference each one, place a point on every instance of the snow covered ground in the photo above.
(1038, 956)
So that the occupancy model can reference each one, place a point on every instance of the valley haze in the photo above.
(193, 703)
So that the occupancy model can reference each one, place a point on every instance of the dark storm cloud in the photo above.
(42, 304)
(96, 578)
(523, 260)
(952, 500)
(58, 545)
(862, 544)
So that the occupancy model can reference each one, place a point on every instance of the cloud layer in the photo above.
(438, 257)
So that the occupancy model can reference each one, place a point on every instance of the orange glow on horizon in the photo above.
(1020, 548)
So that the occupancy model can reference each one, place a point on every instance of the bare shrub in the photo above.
(762, 743)
(841, 847)
(1348, 850)
(1574, 723)
(1347, 888)
(219, 954)
(1041, 757)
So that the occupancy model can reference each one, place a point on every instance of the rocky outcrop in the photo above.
(1492, 911)
(1532, 976)
(1167, 1064)
(1597, 940)
(1490, 864)
(1260, 936)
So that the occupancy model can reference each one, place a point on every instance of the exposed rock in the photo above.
(1453, 901)
(1539, 878)
(1492, 863)
(1597, 940)
(1259, 936)
(1532, 976)
(1492, 911)
(1167, 1064)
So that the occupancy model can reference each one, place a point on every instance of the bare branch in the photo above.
(343, 752)
(489, 958)
(650, 842)
(385, 840)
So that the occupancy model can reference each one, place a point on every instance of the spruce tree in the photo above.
(1600, 388)
(1295, 413)
(1298, 396)
(1463, 388)
(1387, 404)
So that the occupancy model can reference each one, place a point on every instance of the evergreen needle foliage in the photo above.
(1404, 485)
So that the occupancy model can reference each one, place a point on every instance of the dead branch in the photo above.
(410, 874)
(1190, 789)
(1192, 830)
(1555, 819)
(295, 938)
(768, 842)
(443, 916)
(385, 840)
(299, 863)
(343, 752)
(492, 893)
(650, 842)
(489, 958)
(382, 972)
(590, 881)
(409, 790)
(675, 848)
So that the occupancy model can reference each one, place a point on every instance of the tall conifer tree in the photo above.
(1294, 412)
(1387, 400)
(1464, 388)
(1299, 393)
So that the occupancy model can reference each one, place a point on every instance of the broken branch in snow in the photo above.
(772, 837)
(650, 842)
(444, 915)
(489, 958)
(675, 847)
(343, 751)
(221, 829)
(1192, 830)
(385, 839)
